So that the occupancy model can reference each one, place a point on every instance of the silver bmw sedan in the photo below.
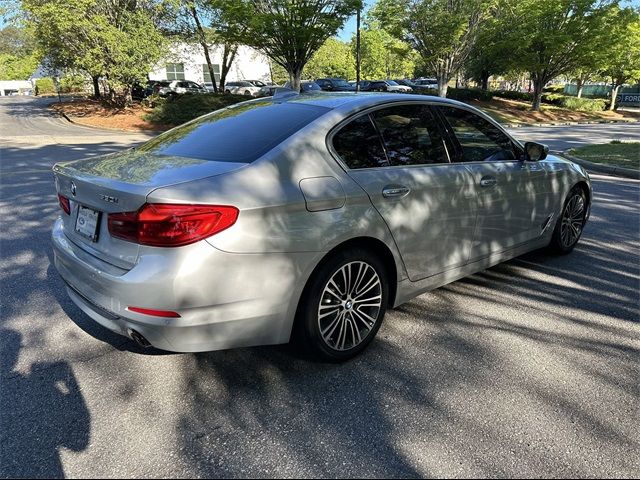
(307, 214)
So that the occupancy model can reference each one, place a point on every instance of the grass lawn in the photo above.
(518, 112)
(620, 154)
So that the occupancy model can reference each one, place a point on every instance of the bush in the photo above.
(583, 104)
(513, 95)
(45, 86)
(553, 89)
(182, 108)
(72, 83)
(552, 98)
(468, 94)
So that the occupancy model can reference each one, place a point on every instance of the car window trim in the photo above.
(368, 111)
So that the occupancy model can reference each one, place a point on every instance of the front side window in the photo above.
(358, 144)
(175, 71)
(411, 135)
(480, 141)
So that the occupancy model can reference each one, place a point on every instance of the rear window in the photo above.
(241, 133)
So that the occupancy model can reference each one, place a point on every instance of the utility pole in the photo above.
(358, 49)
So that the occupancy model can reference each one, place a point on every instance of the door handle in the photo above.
(488, 181)
(392, 191)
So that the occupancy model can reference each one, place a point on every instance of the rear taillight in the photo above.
(64, 204)
(168, 225)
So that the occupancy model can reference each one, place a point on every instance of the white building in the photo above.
(15, 87)
(187, 62)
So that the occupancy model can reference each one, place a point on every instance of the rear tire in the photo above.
(343, 305)
(570, 225)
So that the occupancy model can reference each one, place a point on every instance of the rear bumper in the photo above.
(224, 300)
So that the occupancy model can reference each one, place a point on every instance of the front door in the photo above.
(511, 193)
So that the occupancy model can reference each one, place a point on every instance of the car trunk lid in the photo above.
(120, 183)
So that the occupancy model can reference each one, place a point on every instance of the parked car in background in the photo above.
(321, 211)
(414, 86)
(242, 87)
(306, 86)
(384, 86)
(267, 91)
(335, 85)
(152, 87)
(180, 87)
(426, 82)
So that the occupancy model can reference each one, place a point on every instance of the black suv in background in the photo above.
(335, 85)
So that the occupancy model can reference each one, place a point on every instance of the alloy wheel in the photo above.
(572, 221)
(349, 305)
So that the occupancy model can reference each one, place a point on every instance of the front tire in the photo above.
(343, 305)
(570, 225)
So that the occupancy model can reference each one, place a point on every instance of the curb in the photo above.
(105, 129)
(600, 168)
(554, 124)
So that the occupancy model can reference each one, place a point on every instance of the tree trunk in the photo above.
(203, 42)
(538, 85)
(580, 87)
(96, 86)
(614, 96)
(228, 56)
(484, 79)
(443, 82)
(207, 57)
(295, 75)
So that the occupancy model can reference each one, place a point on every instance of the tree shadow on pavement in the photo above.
(41, 412)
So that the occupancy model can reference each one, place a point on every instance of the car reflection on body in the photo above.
(310, 214)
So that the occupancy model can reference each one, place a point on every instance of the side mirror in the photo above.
(534, 152)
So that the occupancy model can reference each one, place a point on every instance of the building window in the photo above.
(175, 71)
(206, 76)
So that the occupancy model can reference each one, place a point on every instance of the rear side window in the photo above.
(359, 146)
(480, 141)
(411, 135)
(241, 133)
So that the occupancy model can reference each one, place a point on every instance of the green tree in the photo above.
(208, 23)
(118, 40)
(289, 32)
(18, 56)
(333, 59)
(491, 54)
(382, 55)
(554, 37)
(441, 31)
(622, 64)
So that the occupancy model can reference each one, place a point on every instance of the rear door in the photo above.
(397, 154)
(511, 193)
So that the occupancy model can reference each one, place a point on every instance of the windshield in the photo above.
(391, 82)
(240, 133)
(258, 83)
(341, 83)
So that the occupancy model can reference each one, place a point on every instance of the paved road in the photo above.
(563, 137)
(527, 369)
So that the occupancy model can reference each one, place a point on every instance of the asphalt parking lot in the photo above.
(528, 369)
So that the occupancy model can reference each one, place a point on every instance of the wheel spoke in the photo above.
(332, 326)
(363, 319)
(361, 300)
(326, 314)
